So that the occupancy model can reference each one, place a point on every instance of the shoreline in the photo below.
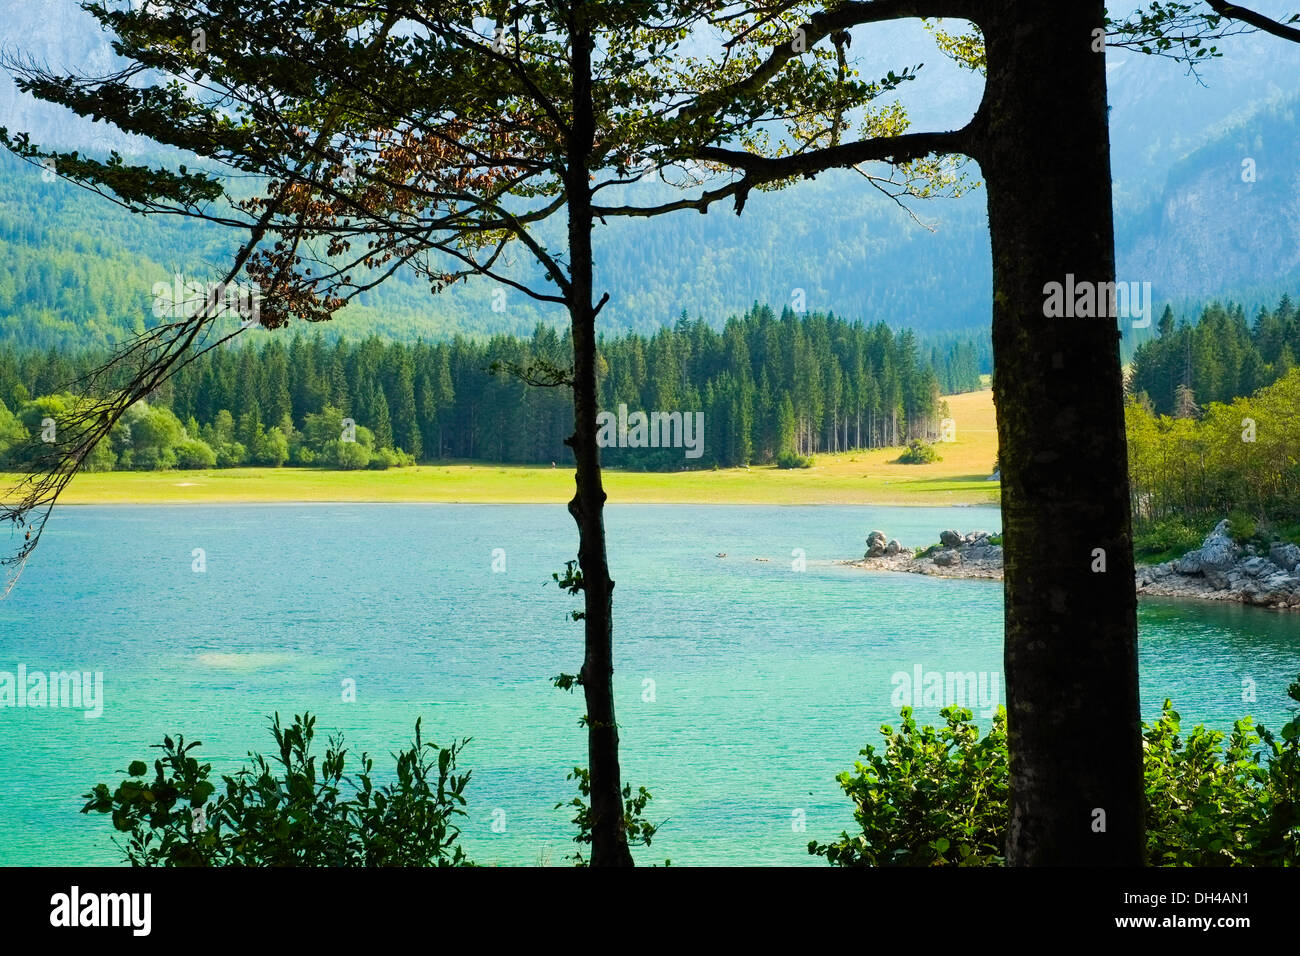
(1184, 593)
(1220, 570)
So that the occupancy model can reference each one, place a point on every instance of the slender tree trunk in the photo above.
(608, 830)
(1071, 633)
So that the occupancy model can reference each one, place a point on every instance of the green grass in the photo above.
(864, 477)
(834, 480)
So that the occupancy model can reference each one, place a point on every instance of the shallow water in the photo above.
(766, 681)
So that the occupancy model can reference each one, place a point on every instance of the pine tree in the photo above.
(383, 424)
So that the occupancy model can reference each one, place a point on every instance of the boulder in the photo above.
(876, 544)
(1284, 554)
(951, 539)
(1158, 572)
(1279, 588)
(893, 547)
(1260, 567)
(1221, 579)
(947, 558)
(1213, 558)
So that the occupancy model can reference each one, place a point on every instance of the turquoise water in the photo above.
(766, 681)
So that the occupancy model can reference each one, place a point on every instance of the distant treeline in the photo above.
(1220, 358)
(766, 385)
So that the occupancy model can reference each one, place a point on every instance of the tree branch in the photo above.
(1257, 20)
(889, 149)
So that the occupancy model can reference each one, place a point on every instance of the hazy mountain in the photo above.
(1186, 221)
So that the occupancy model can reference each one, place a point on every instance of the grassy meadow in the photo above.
(862, 477)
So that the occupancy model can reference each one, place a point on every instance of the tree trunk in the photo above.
(608, 830)
(1071, 632)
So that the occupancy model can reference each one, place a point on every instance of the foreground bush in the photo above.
(286, 811)
(940, 796)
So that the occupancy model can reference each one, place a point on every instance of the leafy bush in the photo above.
(1211, 806)
(940, 797)
(271, 448)
(933, 797)
(231, 455)
(101, 458)
(194, 453)
(346, 455)
(790, 459)
(919, 453)
(1284, 531)
(286, 812)
(1168, 539)
(13, 434)
(1241, 526)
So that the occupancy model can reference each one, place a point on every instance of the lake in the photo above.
(743, 685)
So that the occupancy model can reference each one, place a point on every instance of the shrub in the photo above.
(101, 457)
(790, 459)
(151, 458)
(194, 453)
(347, 455)
(271, 448)
(940, 796)
(1167, 539)
(231, 455)
(933, 796)
(287, 811)
(1211, 806)
(1284, 531)
(919, 453)
(1241, 526)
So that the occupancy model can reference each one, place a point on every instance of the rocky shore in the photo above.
(1219, 570)
(1222, 570)
(971, 555)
